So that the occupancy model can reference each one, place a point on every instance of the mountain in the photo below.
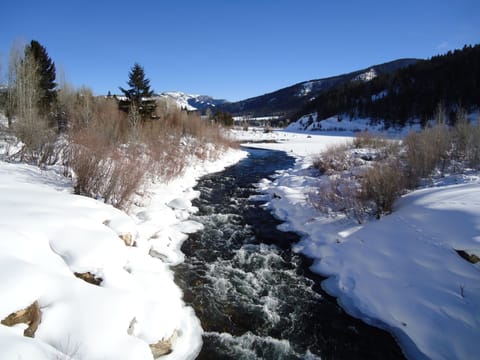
(191, 102)
(450, 82)
(289, 100)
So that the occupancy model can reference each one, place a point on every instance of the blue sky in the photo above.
(233, 49)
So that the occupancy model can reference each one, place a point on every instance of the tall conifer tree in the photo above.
(46, 77)
(138, 93)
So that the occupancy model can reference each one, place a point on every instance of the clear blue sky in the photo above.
(233, 49)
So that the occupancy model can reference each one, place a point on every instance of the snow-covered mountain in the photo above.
(289, 100)
(368, 75)
(191, 102)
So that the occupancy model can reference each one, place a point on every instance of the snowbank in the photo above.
(295, 144)
(401, 273)
(47, 235)
(344, 124)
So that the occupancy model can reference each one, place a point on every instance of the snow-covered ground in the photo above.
(47, 234)
(400, 273)
(346, 126)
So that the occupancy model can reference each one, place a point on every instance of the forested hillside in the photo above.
(287, 101)
(414, 92)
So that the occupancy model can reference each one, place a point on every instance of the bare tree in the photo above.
(23, 94)
(15, 58)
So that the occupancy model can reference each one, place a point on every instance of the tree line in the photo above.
(414, 92)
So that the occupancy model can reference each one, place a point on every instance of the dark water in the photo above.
(254, 297)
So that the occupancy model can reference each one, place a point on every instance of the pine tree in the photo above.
(138, 94)
(46, 77)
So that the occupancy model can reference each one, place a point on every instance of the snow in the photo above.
(180, 98)
(47, 234)
(190, 102)
(366, 76)
(400, 273)
(346, 126)
(306, 89)
(294, 143)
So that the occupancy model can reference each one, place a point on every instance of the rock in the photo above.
(89, 277)
(467, 256)
(163, 347)
(32, 316)
(127, 239)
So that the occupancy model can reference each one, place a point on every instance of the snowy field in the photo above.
(400, 273)
(47, 235)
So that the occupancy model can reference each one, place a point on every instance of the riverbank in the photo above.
(96, 281)
(256, 299)
(400, 273)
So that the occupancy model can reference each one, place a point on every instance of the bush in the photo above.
(425, 151)
(104, 171)
(466, 141)
(365, 139)
(37, 138)
(357, 188)
(112, 158)
(382, 184)
(340, 195)
(333, 159)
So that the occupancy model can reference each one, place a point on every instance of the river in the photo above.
(255, 298)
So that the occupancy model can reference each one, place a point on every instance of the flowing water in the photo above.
(255, 298)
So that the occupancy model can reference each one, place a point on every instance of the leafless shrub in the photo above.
(355, 189)
(167, 153)
(365, 139)
(333, 159)
(382, 184)
(466, 138)
(425, 151)
(82, 109)
(473, 149)
(340, 195)
(105, 171)
(112, 154)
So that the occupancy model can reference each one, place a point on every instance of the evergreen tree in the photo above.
(46, 77)
(138, 93)
(413, 92)
(224, 118)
